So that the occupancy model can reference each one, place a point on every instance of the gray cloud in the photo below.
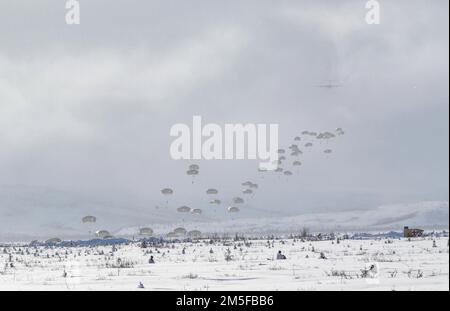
(87, 109)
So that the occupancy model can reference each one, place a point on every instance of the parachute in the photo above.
(254, 186)
(340, 131)
(297, 138)
(328, 151)
(88, 219)
(233, 209)
(297, 163)
(216, 201)
(212, 191)
(287, 173)
(247, 191)
(146, 231)
(102, 234)
(326, 135)
(194, 167)
(238, 200)
(194, 234)
(180, 231)
(184, 209)
(167, 191)
(192, 172)
(171, 234)
(196, 211)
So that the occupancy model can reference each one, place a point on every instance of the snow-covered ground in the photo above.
(377, 264)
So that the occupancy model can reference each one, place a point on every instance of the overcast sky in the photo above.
(87, 109)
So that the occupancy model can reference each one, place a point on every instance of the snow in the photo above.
(418, 264)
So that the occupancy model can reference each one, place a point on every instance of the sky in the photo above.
(86, 110)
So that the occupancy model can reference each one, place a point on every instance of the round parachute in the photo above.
(194, 167)
(254, 186)
(167, 191)
(180, 231)
(212, 191)
(146, 231)
(102, 234)
(192, 172)
(184, 209)
(233, 209)
(88, 219)
(196, 211)
(238, 200)
(194, 234)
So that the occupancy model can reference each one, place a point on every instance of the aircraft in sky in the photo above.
(330, 85)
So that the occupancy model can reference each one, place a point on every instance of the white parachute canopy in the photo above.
(88, 219)
(194, 234)
(192, 172)
(102, 233)
(194, 167)
(254, 186)
(196, 211)
(212, 191)
(340, 131)
(238, 200)
(146, 231)
(180, 231)
(247, 191)
(184, 209)
(216, 201)
(171, 234)
(167, 191)
(233, 209)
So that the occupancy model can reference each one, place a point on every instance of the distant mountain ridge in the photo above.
(28, 213)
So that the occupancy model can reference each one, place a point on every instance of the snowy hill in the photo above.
(431, 215)
(28, 213)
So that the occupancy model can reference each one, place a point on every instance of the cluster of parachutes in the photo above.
(307, 139)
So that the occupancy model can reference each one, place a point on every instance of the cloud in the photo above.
(88, 109)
